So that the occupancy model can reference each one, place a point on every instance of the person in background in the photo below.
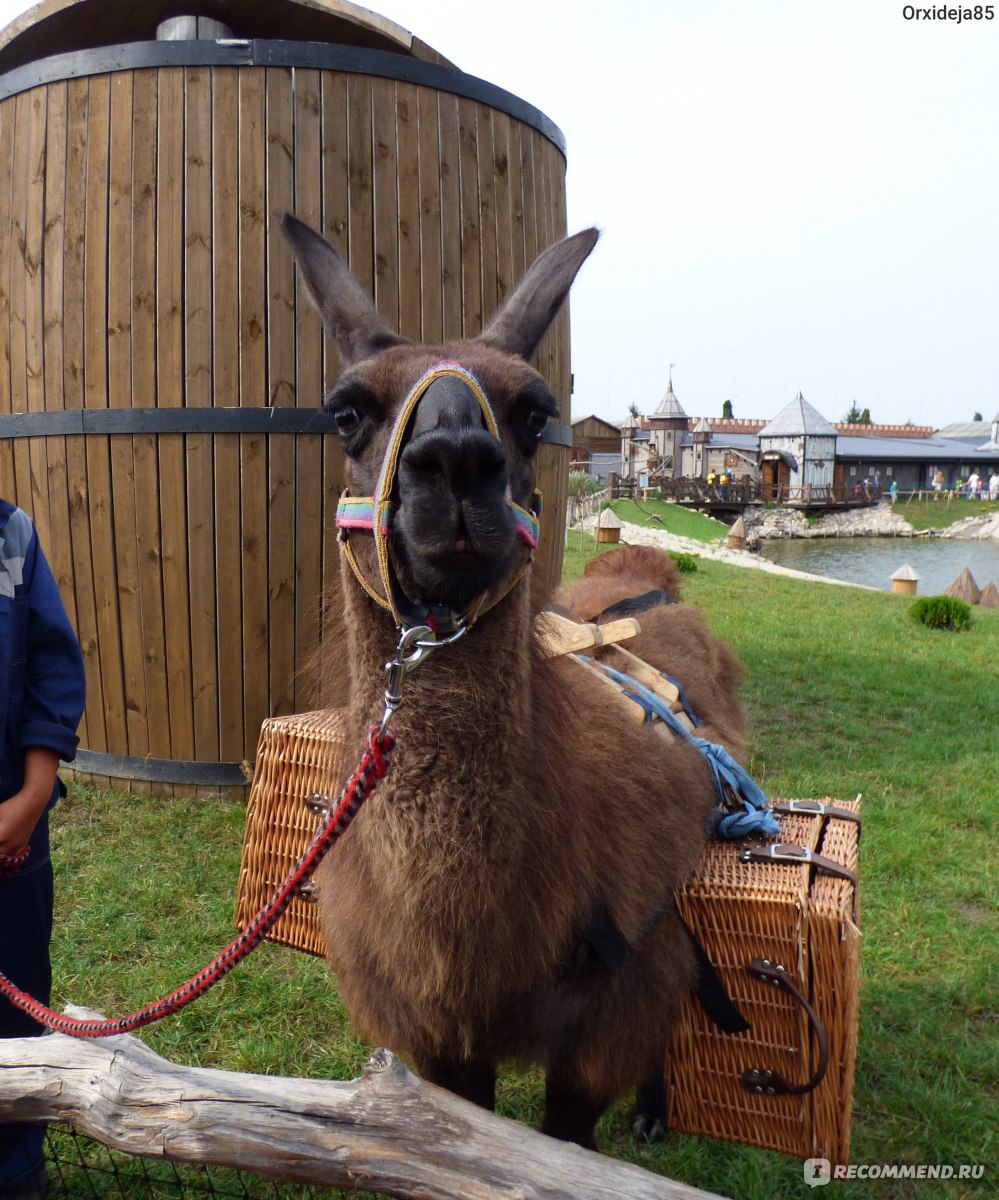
(994, 485)
(42, 691)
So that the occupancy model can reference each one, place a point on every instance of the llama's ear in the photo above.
(346, 310)
(523, 320)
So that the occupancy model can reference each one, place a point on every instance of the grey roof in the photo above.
(798, 417)
(748, 442)
(669, 406)
(966, 429)
(930, 450)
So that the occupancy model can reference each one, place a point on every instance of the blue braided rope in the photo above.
(755, 817)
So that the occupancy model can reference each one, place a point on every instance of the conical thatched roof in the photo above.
(905, 572)
(989, 597)
(965, 588)
(609, 519)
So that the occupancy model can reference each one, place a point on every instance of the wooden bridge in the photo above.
(741, 494)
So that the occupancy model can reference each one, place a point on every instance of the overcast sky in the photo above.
(794, 195)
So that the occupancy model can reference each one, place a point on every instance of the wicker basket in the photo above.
(805, 920)
(790, 914)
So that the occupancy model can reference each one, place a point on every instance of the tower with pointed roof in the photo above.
(667, 425)
(797, 450)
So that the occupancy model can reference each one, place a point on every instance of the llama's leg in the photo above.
(650, 1116)
(571, 1114)
(475, 1081)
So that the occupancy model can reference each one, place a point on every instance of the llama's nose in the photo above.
(449, 441)
(448, 403)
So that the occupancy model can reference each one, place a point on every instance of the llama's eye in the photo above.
(536, 421)
(347, 419)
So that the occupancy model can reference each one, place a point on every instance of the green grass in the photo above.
(941, 514)
(684, 522)
(845, 694)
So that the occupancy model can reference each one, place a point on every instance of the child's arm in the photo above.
(19, 814)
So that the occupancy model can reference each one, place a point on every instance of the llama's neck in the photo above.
(461, 689)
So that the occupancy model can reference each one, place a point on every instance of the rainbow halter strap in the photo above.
(373, 514)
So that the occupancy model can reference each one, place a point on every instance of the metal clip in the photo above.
(415, 645)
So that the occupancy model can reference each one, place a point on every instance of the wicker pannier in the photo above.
(772, 927)
(791, 914)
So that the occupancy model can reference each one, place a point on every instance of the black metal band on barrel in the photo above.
(160, 770)
(136, 421)
(237, 52)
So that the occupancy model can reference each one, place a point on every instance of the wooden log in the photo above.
(388, 1131)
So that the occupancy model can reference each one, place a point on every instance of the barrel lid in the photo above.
(63, 26)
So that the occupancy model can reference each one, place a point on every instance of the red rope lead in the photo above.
(371, 768)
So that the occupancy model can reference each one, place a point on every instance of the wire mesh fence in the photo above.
(80, 1167)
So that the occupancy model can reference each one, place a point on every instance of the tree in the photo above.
(633, 411)
(865, 417)
(853, 416)
(977, 417)
(727, 411)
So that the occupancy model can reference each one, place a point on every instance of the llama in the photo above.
(466, 911)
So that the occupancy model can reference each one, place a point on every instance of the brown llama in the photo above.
(466, 912)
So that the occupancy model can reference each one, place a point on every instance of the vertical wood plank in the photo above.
(170, 261)
(386, 200)
(253, 393)
(507, 226)
(92, 728)
(95, 395)
(309, 382)
(34, 317)
(407, 132)
(452, 307)
(335, 187)
(487, 208)
(360, 185)
(24, 121)
(119, 333)
(7, 150)
(471, 261)
(144, 447)
(197, 382)
(430, 266)
(228, 556)
(281, 390)
(59, 544)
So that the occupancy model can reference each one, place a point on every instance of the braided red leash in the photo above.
(372, 767)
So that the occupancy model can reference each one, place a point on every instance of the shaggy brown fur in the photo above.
(675, 637)
(456, 911)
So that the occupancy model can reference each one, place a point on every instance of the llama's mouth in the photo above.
(452, 570)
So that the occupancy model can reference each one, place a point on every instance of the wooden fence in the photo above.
(160, 371)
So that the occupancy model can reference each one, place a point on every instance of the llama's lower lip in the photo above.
(460, 546)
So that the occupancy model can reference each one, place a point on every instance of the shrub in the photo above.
(686, 563)
(941, 612)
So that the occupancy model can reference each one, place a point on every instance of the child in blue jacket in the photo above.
(42, 689)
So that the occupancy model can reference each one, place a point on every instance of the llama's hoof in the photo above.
(648, 1127)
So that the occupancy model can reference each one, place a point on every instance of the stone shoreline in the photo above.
(880, 521)
(883, 520)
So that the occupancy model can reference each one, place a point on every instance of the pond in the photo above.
(873, 560)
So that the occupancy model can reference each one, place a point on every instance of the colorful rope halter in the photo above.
(373, 514)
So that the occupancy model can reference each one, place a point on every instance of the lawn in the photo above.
(941, 514)
(845, 694)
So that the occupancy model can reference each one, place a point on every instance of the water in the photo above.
(873, 560)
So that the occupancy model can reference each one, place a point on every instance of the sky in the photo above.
(794, 195)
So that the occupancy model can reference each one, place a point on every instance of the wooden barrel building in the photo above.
(160, 368)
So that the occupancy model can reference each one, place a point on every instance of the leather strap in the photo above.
(789, 852)
(815, 808)
(773, 1083)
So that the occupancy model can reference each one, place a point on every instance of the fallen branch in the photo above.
(388, 1131)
